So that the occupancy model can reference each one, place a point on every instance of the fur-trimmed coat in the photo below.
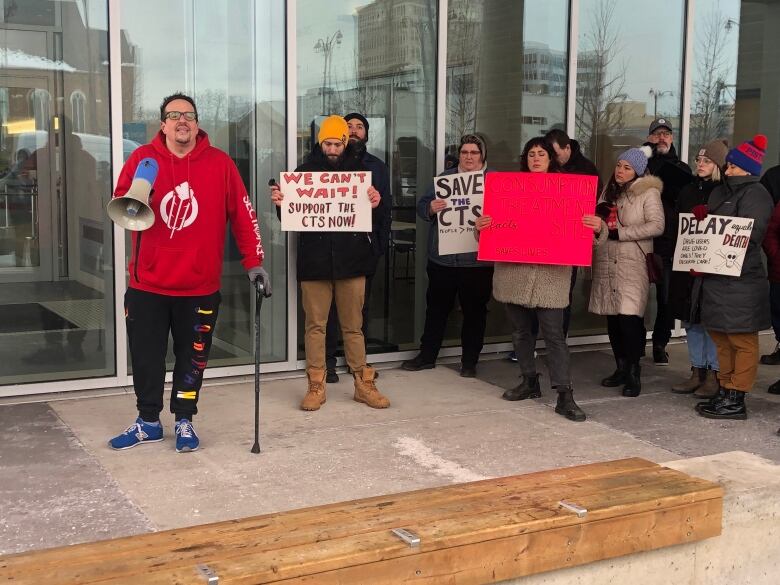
(620, 282)
(532, 285)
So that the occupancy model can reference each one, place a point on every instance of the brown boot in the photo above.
(709, 387)
(692, 383)
(366, 390)
(315, 397)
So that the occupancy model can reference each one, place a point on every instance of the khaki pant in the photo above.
(317, 296)
(738, 357)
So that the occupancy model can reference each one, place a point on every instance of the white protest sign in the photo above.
(463, 193)
(325, 202)
(715, 245)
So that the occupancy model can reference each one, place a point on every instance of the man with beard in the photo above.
(335, 265)
(380, 179)
(675, 174)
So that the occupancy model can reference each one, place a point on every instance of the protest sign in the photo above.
(715, 245)
(325, 202)
(537, 218)
(463, 194)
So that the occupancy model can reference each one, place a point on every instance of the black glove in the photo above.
(614, 235)
(259, 277)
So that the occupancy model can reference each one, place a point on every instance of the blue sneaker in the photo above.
(186, 439)
(512, 357)
(140, 432)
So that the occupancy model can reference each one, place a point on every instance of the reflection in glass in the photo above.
(716, 33)
(379, 59)
(229, 58)
(506, 73)
(56, 273)
(507, 66)
(628, 72)
(757, 95)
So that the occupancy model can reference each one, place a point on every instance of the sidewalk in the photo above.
(61, 484)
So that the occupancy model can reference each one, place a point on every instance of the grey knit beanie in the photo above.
(637, 158)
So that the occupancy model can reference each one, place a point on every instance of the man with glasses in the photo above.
(380, 179)
(452, 275)
(675, 174)
(176, 266)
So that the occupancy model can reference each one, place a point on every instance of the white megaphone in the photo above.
(132, 211)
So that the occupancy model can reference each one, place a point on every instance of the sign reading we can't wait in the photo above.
(325, 202)
(537, 218)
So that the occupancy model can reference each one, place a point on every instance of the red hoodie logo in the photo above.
(179, 208)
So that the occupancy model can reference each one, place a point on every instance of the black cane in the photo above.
(259, 292)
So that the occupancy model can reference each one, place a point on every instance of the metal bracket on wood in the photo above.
(407, 536)
(208, 574)
(579, 510)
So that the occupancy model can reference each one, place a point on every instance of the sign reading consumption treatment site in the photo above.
(537, 218)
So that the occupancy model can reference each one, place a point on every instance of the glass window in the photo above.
(757, 95)
(506, 73)
(715, 55)
(56, 254)
(230, 59)
(507, 65)
(378, 58)
(629, 67)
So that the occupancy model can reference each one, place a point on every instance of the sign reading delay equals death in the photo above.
(325, 202)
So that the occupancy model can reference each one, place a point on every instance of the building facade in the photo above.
(80, 88)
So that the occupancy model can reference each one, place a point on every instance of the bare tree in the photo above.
(709, 116)
(212, 107)
(462, 68)
(600, 78)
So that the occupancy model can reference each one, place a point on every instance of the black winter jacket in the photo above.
(675, 174)
(579, 164)
(771, 180)
(697, 193)
(739, 304)
(335, 255)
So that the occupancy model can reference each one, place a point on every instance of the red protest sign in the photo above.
(537, 218)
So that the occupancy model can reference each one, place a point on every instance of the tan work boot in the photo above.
(366, 390)
(315, 396)
(692, 383)
(709, 387)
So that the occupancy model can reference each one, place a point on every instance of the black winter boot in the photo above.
(528, 388)
(633, 381)
(566, 405)
(618, 377)
(732, 407)
(774, 388)
(719, 396)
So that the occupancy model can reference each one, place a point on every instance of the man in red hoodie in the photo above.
(176, 265)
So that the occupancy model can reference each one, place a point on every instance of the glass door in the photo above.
(26, 194)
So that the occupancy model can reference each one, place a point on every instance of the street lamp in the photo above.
(657, 94)
(326, 46)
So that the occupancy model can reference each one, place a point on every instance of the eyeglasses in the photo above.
(189, 116)
(470, 152)
(662, 133)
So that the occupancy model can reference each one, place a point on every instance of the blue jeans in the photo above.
(701, 349)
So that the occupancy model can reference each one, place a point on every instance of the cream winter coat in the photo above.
(532, 285)
(620, 282)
